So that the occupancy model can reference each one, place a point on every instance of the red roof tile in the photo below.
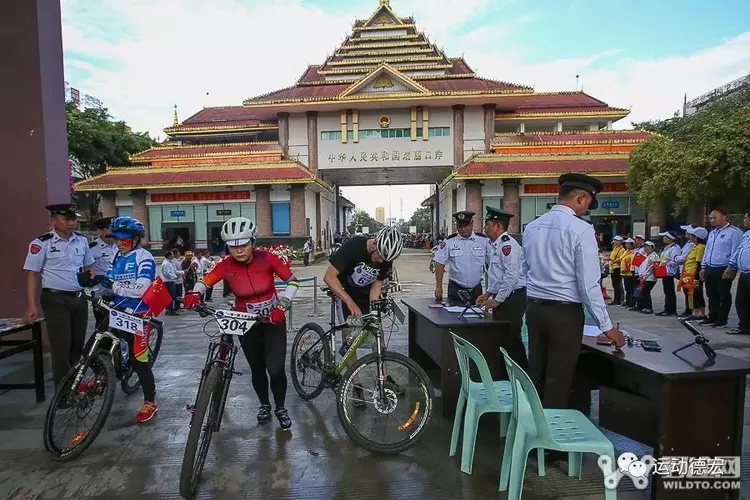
(481, 167)
(460, 66)
(561, 109)
(630, 135)
(224, 115)
(311, 75)
(467, 85)
(181, 151)
(560, 100)
(177, 177)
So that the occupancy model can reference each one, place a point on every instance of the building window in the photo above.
(387, 133)
(125, 211)
(280, 219)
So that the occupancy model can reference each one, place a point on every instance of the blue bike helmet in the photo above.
(127, 227)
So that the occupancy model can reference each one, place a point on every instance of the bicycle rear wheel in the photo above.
(78, 405)
(201, 430)
(130, 382)
(310, 350)
(390, 422)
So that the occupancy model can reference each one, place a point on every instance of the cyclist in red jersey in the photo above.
(250, 274)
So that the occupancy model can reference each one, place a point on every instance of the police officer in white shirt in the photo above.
(103, 249)
(506, 283)
(466, 253)
(562, 260)
(55, 258)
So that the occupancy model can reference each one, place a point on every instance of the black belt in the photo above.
(547, 302)
(63, 292)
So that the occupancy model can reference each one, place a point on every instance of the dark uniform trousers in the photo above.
(454, 288)
(512, 310)
(66, 315)
(719, 294)
(743, 302)
(555, 335)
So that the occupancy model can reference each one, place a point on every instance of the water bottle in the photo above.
(346, 344)
(125, 352)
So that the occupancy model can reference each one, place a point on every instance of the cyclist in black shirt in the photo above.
(359, 267)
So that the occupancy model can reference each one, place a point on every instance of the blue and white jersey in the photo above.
(131, 274)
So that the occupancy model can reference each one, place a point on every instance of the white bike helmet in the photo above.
(238, 231)
(389, 242)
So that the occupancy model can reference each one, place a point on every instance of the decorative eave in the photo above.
(269, 174)
(385, 27)
(607, 112)
(190, 130)
(603, 138)
(400, 67)
(388, 59)
(365, 41)
(386, 9)
(348, 81)
(385, 52)
(382, 45)
(241, 149)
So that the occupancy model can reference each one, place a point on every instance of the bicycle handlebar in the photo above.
(204, 310)
(108, 306)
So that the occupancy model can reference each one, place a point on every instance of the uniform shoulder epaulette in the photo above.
(481, 235)
(92, 244)
(451, 236)
(505, 237)
(45, 237)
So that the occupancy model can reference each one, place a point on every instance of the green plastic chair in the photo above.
(532, 426)
(478, 398)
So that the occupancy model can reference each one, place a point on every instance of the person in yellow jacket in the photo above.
(627, 271)
(689, 279)
(615, 256)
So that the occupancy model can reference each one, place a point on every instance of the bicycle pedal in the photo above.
(190, 409)
(234, 372)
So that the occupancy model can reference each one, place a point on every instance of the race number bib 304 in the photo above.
(262, 308)
(234, 322)
(364, 275)
(126, 322)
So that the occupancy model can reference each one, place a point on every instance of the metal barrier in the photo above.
(281, 286)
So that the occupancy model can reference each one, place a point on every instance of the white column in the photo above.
(522, 128)
(609, 125)
(558, 127)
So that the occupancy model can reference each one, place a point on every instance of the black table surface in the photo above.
(9, 326)
(441, 318)
(690, 362)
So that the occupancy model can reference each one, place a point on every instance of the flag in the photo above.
(157, 297)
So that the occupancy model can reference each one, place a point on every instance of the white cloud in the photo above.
(143, 56)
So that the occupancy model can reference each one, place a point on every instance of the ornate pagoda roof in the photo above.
(561, 105)
(221, 119)
(535, 139)
(279, 172)
(384, 51)
(240, 150)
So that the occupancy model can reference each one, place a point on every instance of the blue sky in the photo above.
(141, 57)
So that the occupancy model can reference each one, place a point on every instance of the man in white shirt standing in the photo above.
(205, 264)
(562, 261)
(169, 274)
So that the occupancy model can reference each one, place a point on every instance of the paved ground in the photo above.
(315, 461)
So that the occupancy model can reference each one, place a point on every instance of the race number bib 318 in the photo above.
(126, 322)
(364, 275)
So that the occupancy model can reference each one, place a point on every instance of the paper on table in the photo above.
(591, 331)
(476, 311)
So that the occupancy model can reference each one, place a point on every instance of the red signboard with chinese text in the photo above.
(206, 196)
(609, 187)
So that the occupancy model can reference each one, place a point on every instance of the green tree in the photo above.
(700, 158)
(421, 219)
(362, 219)
(95, 140)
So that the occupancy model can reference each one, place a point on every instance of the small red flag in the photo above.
(157, 297)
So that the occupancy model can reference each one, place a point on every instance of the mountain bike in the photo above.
(395, 405)
(208, 409)
(105, 360)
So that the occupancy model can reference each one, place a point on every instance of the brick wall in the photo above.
(489, 125)
(474, 203)
(297, 209)
(511, 203)
(312, 140)
(458, 135)
(140, 211)
(263, 210)
(107, 206)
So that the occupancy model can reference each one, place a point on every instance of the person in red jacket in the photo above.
(250, 274)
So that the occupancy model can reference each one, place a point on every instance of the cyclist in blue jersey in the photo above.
(132, 271)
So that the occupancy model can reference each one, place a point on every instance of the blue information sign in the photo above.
(177, 213)
(610, 204)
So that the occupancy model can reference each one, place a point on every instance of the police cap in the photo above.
(591, 185)
(64, 209)
(103, 223)
(464, 217)
(494, 214)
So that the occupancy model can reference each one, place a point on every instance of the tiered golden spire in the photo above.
(384, 3)
(175, 122)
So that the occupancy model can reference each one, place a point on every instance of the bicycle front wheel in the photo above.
(310, 351)
(387, 417)
(76, 415)
(201, 430)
